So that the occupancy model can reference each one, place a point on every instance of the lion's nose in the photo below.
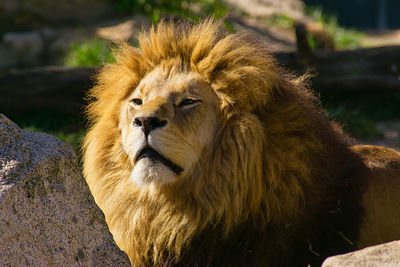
(149, 123)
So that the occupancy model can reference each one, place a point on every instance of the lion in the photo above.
(203, 151)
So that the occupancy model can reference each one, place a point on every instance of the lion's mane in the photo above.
(275, 163)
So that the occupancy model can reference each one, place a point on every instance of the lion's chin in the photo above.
(148, 171)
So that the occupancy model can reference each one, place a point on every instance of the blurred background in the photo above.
(50, 50)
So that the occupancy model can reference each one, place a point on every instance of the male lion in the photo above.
(203, 152)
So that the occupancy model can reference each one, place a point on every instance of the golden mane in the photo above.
(273, 143)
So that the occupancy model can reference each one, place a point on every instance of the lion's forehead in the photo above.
(161, 83)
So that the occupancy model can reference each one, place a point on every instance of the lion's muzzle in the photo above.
(149, 152)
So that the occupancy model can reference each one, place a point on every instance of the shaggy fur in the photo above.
(278, 185)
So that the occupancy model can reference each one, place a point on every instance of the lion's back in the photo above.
(381, 198)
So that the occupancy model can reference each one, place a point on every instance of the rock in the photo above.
(47, 214)
(22, 41)
(123, 31)
(22, 48)
(381, 255)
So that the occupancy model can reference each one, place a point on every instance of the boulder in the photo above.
(125, 30)
(47, 214)
(381, 255)
(21, 49)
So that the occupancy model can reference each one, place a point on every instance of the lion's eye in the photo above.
(137, 101)
(188, 102)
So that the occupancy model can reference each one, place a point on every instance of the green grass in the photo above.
(93, 52)
(343, 38)
(359, 114)
(354, 121)
(282, 20)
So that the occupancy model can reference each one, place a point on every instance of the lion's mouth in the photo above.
(149, 152)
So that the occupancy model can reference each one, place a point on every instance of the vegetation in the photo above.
(359, 114)
(354, 121)
(282, 20)
(343, 38)
(92, 52)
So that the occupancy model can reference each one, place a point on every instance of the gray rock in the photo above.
(23, 41)
(47, 214)
(21, 48)
(381, 255)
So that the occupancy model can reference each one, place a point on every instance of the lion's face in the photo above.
(166, 124)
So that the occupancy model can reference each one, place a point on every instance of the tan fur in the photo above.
(271, 150)
(382, 197)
